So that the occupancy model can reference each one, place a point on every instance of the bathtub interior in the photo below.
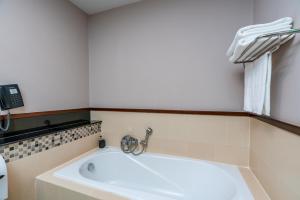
(138, 178)
(155, 176)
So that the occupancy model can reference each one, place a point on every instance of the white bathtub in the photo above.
(157, 177)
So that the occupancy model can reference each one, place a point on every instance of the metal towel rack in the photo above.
(250, 54)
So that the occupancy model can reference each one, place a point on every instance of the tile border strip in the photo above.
(21, 149)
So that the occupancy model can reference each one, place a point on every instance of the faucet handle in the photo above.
(129, 144)
(149, 131)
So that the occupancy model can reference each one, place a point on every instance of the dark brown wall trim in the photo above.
(283, 125)
(44, 113)
(279, 124)
(190, 112)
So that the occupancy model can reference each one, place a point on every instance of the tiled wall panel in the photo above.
(217, 138)
(21, 149)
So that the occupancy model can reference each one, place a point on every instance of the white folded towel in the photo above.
(262, 43)
(260, 29)
(258, 85)
(258, 73)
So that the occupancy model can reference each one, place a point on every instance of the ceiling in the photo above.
(96, 6)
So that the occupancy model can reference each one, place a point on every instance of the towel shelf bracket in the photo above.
(250, 54)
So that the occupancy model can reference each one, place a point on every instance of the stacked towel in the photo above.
(258, 73)
(249, 33)
(245, 43)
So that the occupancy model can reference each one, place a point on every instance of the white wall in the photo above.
(286, 70)
(167, 54)
(44, 48)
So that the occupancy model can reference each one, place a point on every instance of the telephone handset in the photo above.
(10, 97)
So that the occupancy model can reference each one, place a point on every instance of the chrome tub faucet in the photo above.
(130, 144)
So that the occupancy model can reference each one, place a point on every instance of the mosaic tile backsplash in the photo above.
(21, 149)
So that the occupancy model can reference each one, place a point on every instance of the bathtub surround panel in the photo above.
(218, 138)
(19, 150)
(44, 48)
(274, 160)
(48, 191)
(152, 54)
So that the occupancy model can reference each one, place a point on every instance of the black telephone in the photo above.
(10, 97)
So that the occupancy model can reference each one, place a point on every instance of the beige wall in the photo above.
(22, 173)
(275, 160)
(285, 78)
(218, 138)
(44, 48)
(167, 54)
